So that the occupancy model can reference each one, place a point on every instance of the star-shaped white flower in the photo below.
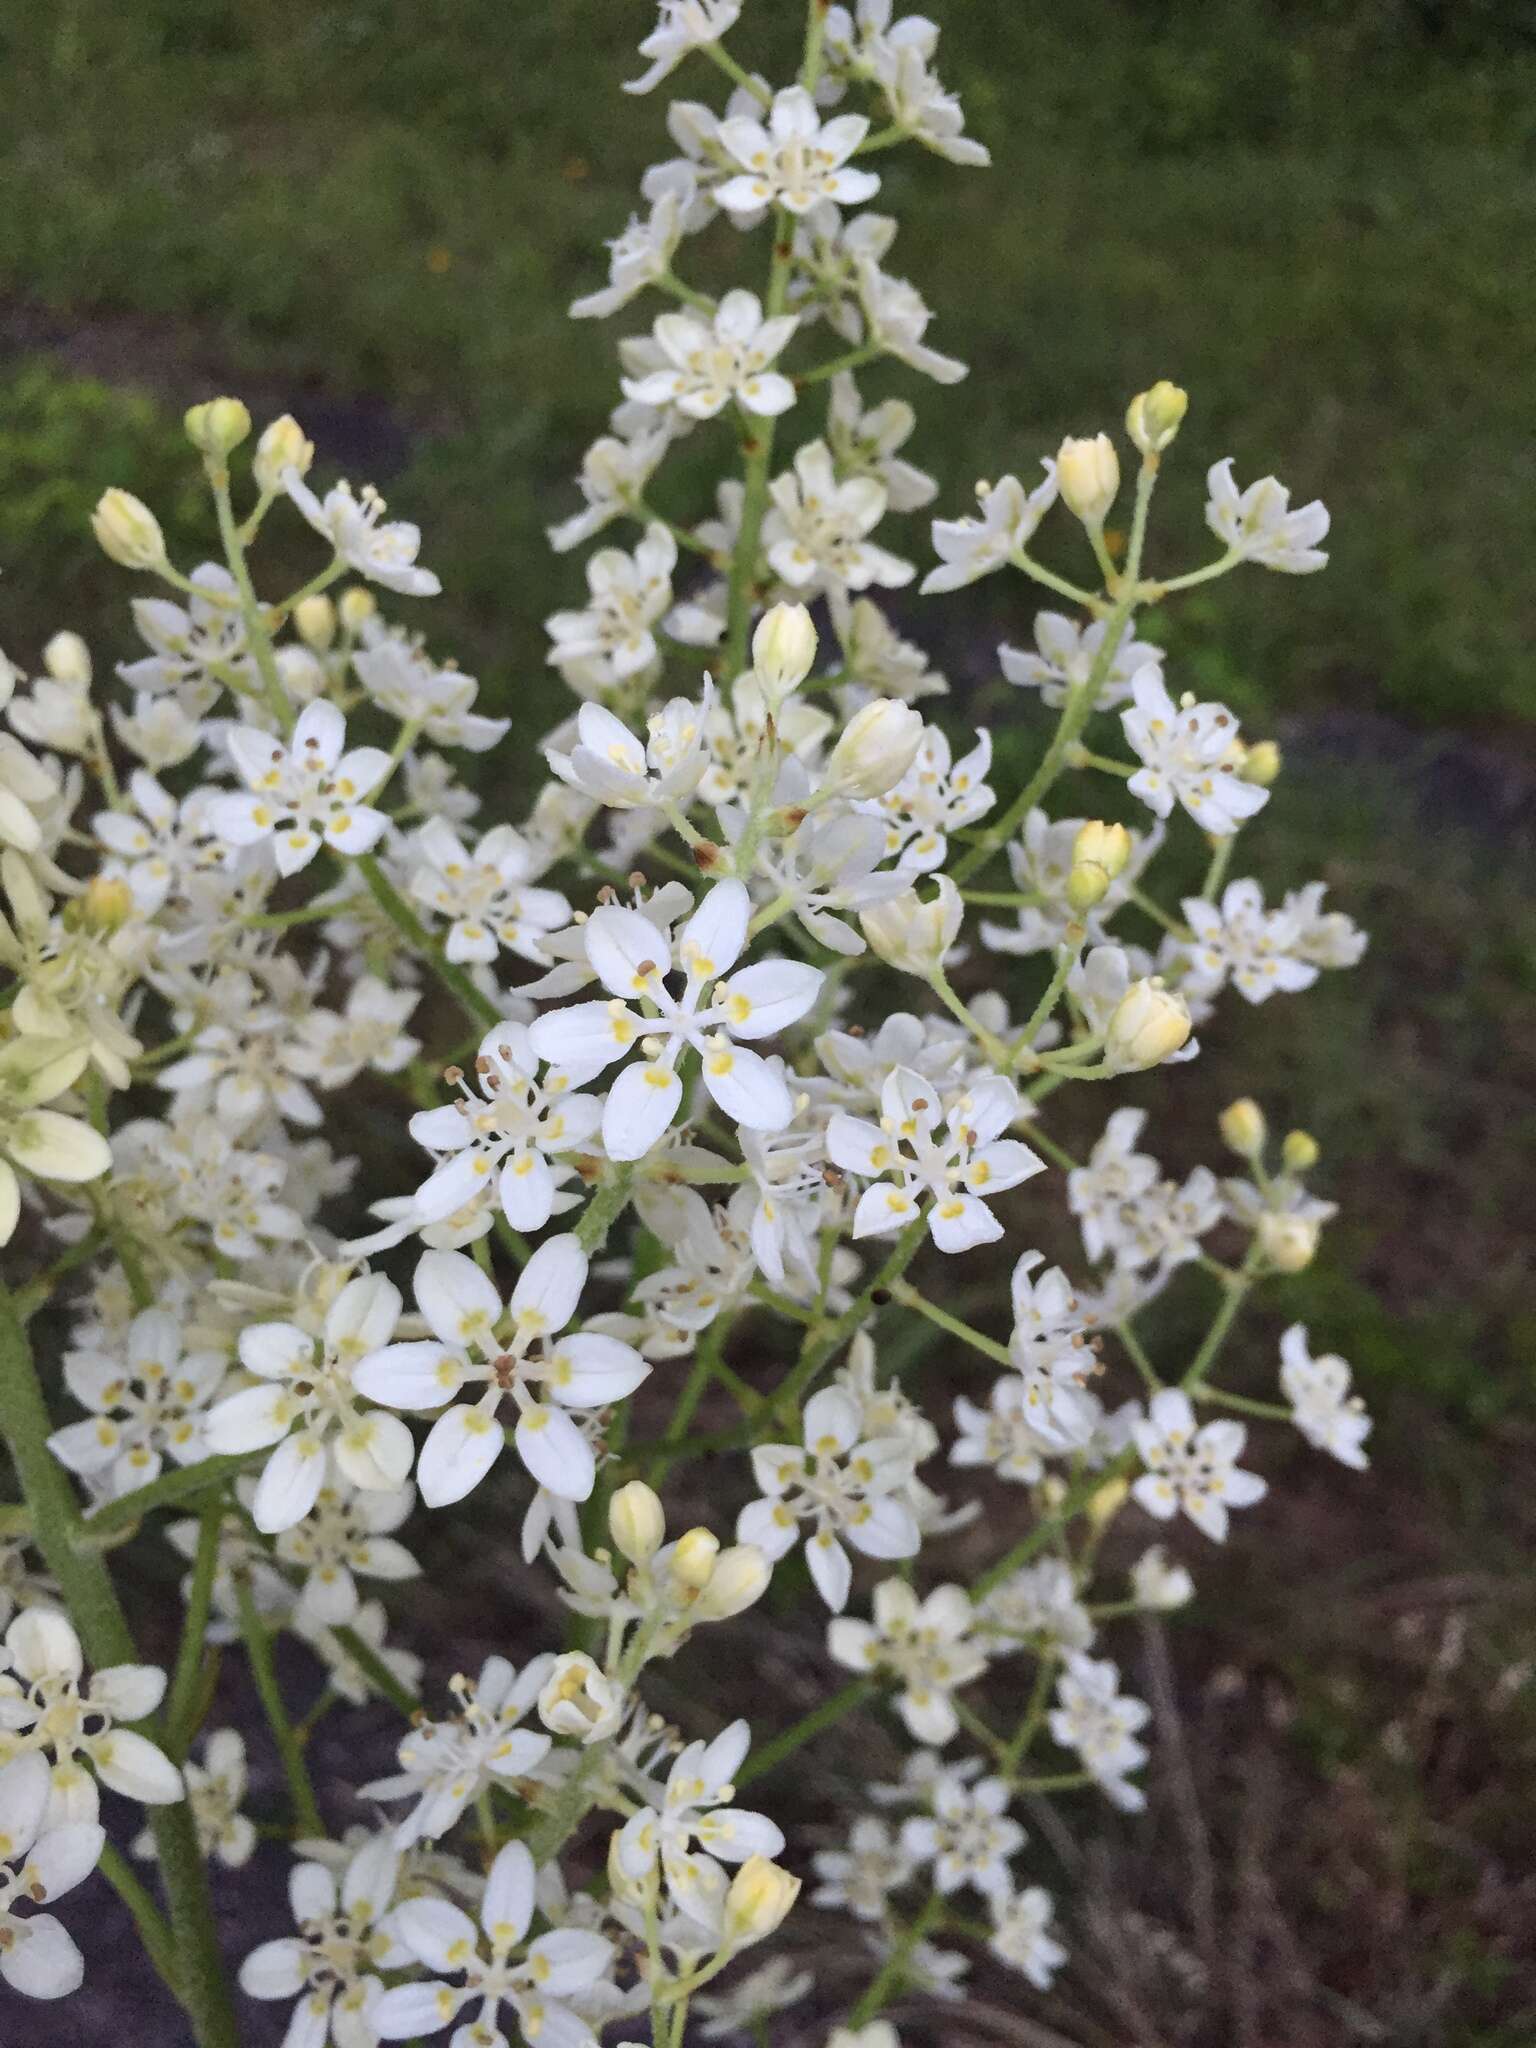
(304, 795)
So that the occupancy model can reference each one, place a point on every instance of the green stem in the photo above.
(258, 1643)
(909, 1297)
(186, 1683)
(884, 1987)
(121, 1516)
(154, 1933)
(259, 639)
(376, 1671)
(411, 928)
(837, 1707)
(604, 1209)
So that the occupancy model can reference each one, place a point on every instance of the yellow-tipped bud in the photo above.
(217, 428)
(1107, 1503)
(693, 1559)
(1243, 1129)
(357, 607)
(314, 619)
(758, 1901)
(68, 659)
(128, 531)
(631, 1891)
(739, 1579)
(1154, 417)
(1150, 1025)
(1261, 764)
(1299, 1152)
(783, 648)
(282, 446)
(636, 1522)
(1289, 1242)
(1099, 852)
(875, 749)
(105, 904)
(1088, 475)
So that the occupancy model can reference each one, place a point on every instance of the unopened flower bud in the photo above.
(282, 446)
(760, 1897)
(1104, 1505)
(636, 1522)
(693, 1558)
(1243, 1129)
(630, 1891)
(105, 904)
(1151, 1023)
(357, 607)
(1088, 475)
(128, 531)
(739, 1579)
(875, 749)
(68, 659)
(217, 428)
(1299, 1152)
(314, 619)
(911, 934)
(1261, 764)
(783, 648)
(1289, 1242)
(580, 1700)
(1099, 852)
(1154, 417)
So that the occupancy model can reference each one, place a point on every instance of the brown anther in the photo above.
(636, 878)
(482, 1064)
(646, 967)
(832, 1175)
(504, 1370)
(607, 893)
(919, 1102)
(706, 855)
(453, 1076)
(857, 1031)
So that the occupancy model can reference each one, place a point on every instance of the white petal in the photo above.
(550, 1285)
(640, 1106)
(131, 1764)
(750, 1091)
(555, 1452)
(46, 1963)
(290, 1483)
(461, 1448)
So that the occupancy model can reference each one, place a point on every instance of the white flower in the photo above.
(968, 1837)
(1002, 1435)
(971, 548)
(843, 1486)
(796, 161)
(694, 1828)
(1093, 1717)
(1115, 1178)
(1190, 755)
(464, 1312)
(146, 1404)
(614, 472)
(333, 1048)
(614, 637)
(897, 317)
(709, 363)
(1328, 1415)
(816, 534)
(445, 1765)
(684, 25)
(1259, 525)
(1021, 1936)
(935, 797)
(216, 1788)
(752, 2000)
(1192, 1468)
(580, 1700)
(1042, 859)
(370, 1625)
(1065, 655)
(515, 1123)
(1325, 937)
(865, 440)
(608, 763)
(861, 1877)
(1159, 1584)
(1038, 1605)
(384, 554)
(42, 1142)
(400, 678)
(304, 795)
(44, 1707)
(332, 1965)
(346, 1532)
(488, 895)
(39, 1862)
(927, 1645)
(533, 1980)
(308, 1402)
(1255, 946)
(955, 1157)
(715, 1011)
(196, 646)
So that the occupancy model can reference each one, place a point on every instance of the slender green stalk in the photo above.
(186, 1682)
(172, 1489)
(258, 1643)
(154, 1932)
(836, 1707)
(376, 1671)
(880, 1991)
(421, 942)
(909, 1297)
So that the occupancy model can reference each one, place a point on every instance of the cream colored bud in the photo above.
(875, 749)
(1099, 852)
(739, 1579)
(217, 428)
(1104, 1505)
(783, 648)
(1088, 474)
(636, 1522)
(282, 446)
(128, 531)
(1154, 417)
(1151, 1023)
(580, 1700)
(693, 1558)
(1289, 1242)
(315, 620)
(1243, 1129)
(630, 1891)
(357, 607)
(1261, 764)
(911, 934)
(68, 659)
(105, 904)
(758, 1901)
(1299, 1152)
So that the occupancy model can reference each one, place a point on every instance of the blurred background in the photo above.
(1319, 218)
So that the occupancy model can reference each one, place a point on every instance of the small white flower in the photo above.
(1328, 1415)
(927, 1645)
(1038, 1606)
(216, 1788)
(1191, 756)
(684, 25)
(445, 1765)
(1093, 1717)
(1064, 658)
(817, 531)
(609, 764)
(1021, 1936)
(488, 896)
(385, 554)
(544, 1373)
(614, 637)
(968, 1837)
(1259, 525)
(614, 472)
(693, 1828)
(711, 363)
(346, 1532)
(796, 161)
(971, 548)
(1192, 1468)
(861, 1877)
(1258, 948)
(39, 1862)
(636, 259)
(144, 1406)
(304, 795)
(332, 1965)
(1158, 1584)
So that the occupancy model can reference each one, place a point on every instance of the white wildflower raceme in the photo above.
(40, 1861)
(1190, 1467)
(304, 795)
(513, 1349)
